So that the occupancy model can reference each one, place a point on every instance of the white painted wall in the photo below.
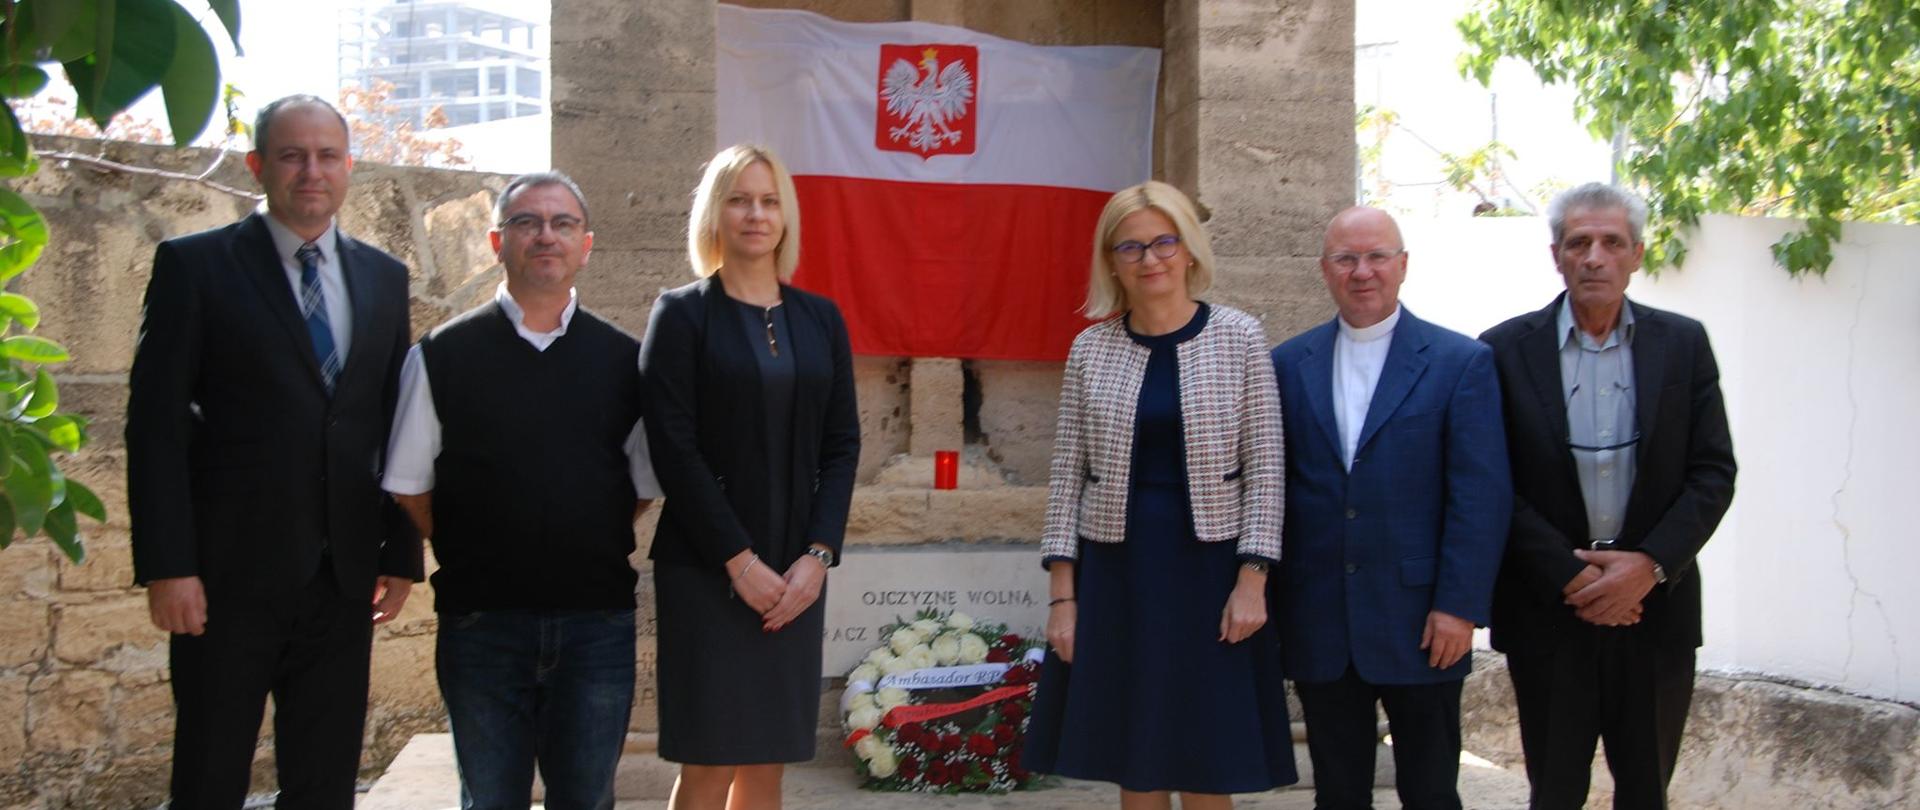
(1811, 576)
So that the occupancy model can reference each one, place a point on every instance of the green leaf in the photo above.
(21, 309)
(46, 397)
(85, 502)
(6, 520)
(28, 230)
(191, 85)
(16, 150)
(229, 12)
(22, 81)
(30, 483)
(32, 349)
(64, 431)
(133, 46)
(65, 532)
(46, 30)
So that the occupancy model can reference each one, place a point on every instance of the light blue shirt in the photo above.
(1596, 382)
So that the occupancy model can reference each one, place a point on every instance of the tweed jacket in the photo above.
(1230, 418)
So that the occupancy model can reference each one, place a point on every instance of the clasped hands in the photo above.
(1608, 592)
(779, 598)
(179, 604)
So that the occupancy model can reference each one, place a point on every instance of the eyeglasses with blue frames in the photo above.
(1375, 259)
(528, 226)
(1132, 252)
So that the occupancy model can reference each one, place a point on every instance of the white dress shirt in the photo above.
(415, 442)
(333, 283)
(1596, 378)
(1358, 355)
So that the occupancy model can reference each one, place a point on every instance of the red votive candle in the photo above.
(946, 469)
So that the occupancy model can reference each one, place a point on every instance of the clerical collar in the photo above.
(1368, 334)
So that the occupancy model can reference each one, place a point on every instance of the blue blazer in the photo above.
(1419, 523)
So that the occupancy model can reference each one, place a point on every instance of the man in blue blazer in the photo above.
(1397, 505)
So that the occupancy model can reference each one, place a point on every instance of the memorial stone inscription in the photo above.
(875, 586)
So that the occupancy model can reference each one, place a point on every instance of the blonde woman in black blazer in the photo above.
(1163, 516)
(754, 434)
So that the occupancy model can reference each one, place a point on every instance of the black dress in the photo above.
(728, 692)
(1154, 700)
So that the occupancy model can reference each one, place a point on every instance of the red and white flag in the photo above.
(949, 180)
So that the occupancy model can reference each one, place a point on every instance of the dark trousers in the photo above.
(309, 650)
(552, 687)
(1615, 685)
(1342, 735)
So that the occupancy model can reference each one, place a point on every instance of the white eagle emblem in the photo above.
(929, 102)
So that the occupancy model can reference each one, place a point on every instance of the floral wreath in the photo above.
(970, 741)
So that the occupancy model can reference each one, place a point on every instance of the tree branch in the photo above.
(109, 166)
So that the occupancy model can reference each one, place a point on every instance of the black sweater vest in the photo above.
(532, 498)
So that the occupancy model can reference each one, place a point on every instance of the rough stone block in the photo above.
(1019, 407)
(109, 563)
(13, 718)
(1285, 293)
(881, 387)
(67, 711)
(27, 571)
(142, 717)
(24, 631)
(456, 233)
(402, 671)
(86, 633)
(936, 406)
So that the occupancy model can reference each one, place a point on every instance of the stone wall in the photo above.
(86, 715)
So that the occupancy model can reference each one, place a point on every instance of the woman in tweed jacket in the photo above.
(1163, 517)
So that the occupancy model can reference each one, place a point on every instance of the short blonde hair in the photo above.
(703, 222)
(1105, 296)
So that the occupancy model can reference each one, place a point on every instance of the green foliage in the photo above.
(1794, 108)
(113, 52)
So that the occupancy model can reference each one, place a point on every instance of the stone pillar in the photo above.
(1259, 122)
(935, 407)
(633, 111)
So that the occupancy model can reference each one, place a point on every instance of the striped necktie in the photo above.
(313, 307)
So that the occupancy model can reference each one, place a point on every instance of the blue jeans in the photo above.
(554, 687)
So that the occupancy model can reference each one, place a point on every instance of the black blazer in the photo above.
(706, 424)
(1682, 485)
(240, 468)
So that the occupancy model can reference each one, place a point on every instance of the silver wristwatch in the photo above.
(825, 556)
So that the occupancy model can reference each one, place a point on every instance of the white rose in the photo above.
(946, 649)
(903, 640)
(921, 657)
(866, 718)
(895, 666)
(972, 649)
(864, 700)
(864, 672)
(867, 745)
(960, 621)
(890, 697)
(927, 628)
(883, 763)
(880, 657)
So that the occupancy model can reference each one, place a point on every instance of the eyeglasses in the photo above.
(1132, 252)
(1376, 259)
(528, 225)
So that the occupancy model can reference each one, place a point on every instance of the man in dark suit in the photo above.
(1397, 507)
(1623, 466)
(262, 388)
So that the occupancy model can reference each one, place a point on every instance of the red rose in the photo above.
(1013, 711)
(1003, 734)
(1020, 775)
(950, 742)
(1022, 674)
(1009, 641)
(981, 745)
(937, 773)
(998, 655)
(909, 734)
(909, 768)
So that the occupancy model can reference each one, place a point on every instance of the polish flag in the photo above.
(949, 181)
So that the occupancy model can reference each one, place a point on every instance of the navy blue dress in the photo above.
(1154, 700)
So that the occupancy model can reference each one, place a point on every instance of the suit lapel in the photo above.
(1316, 372)
(359, 279)
(254, 256)
(1406, 361)
(1649, 368)
(1540, 351)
